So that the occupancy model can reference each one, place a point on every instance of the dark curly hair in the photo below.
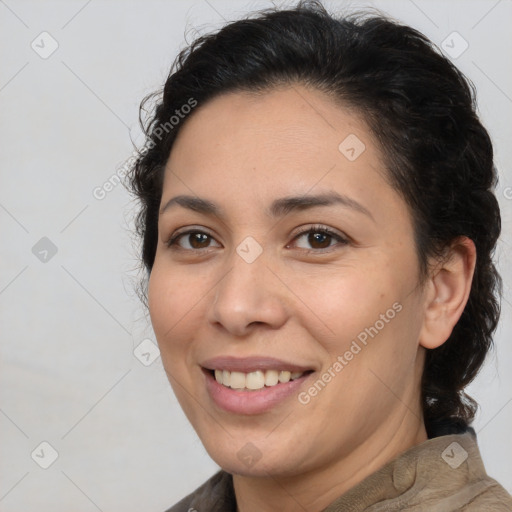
(421, 109)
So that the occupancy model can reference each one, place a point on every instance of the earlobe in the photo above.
(447, 292)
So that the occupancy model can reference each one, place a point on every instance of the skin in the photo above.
(297, 301)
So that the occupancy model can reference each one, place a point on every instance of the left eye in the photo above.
(318, 239)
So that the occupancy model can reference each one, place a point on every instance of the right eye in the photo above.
(191, 240)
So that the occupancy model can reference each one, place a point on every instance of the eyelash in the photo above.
(317, 229)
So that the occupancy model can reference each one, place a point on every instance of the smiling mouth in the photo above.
(256, 380)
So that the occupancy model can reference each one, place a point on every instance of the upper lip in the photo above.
(251, 364)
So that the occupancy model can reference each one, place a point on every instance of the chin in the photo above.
(255, 460)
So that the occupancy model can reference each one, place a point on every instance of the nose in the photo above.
(247, 297)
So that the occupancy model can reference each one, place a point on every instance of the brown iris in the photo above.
(319, 240)
(199, 240)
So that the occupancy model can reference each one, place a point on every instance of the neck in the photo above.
(315, 490)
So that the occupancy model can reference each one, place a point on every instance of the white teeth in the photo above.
(237, 380)
(271, 377)
(284, 376)
(254, 380)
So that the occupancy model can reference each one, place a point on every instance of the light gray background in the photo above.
(69, 325)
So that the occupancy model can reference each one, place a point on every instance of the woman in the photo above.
(318, 219)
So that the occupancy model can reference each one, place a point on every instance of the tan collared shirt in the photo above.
(443, 474)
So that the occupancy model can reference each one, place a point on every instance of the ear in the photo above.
(447, 292)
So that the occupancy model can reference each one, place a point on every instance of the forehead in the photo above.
(282, 120)
(292, 140)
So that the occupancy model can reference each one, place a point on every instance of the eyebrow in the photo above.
(279, 208)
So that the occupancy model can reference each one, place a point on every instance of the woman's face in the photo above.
(290, 257)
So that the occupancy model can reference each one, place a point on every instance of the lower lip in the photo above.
(251, 402)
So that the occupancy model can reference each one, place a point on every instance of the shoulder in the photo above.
(215, 495)
(451, 475)
(492, 498)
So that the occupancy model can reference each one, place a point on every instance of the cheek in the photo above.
(175, 310)
(365, 310)
(174, 299)
(342, 302)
